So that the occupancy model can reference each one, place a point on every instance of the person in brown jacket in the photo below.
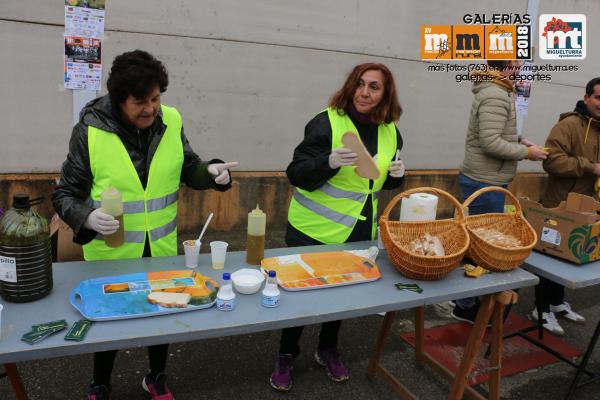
(572, 166)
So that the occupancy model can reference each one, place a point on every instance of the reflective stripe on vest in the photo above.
(132, 207)
(330, 213)
(148, 212)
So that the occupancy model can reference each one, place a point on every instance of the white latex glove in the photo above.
(397, 169)
(342, 157)
(220, 172)
(101, 222)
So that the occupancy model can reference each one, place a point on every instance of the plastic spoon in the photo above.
(204, 229)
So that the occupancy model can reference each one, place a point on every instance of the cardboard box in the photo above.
(570, 231)
(66, 249)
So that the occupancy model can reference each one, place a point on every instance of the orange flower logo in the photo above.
(555, 25)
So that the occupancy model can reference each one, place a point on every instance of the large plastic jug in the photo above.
(25, 252)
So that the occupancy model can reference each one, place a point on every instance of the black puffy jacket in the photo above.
(69, 197)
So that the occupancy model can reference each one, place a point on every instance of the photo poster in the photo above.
(84, 29)
(84, 18)
(522, 95)
(83, 66)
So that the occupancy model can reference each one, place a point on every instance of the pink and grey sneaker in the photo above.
(281, 378)
(99, 392)
(157, 387)
(330, 359)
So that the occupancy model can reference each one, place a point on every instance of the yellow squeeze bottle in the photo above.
(112, 204)
(255, 245)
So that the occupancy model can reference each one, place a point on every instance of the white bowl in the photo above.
(247, 280)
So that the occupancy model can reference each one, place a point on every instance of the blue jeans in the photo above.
(491, 202)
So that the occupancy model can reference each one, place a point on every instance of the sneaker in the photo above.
(469, 315)
(466, 315)
(99, 392)
(549, 322)
(330, 359)
(157, 387)
(281, 378)
(564, 310)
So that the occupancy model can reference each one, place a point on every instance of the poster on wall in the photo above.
(83, 66)
(522, 95)
(84, 18)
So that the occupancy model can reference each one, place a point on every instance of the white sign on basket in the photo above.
(8, 269)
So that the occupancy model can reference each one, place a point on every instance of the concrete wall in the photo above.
(248, 75)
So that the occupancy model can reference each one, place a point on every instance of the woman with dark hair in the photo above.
(331, 203)
(129, 140)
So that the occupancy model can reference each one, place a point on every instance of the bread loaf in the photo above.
(169, 300)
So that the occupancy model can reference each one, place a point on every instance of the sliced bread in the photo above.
(167, 299)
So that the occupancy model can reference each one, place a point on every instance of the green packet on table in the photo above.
(49, 325)
(78, 330)
(413, 287)
(33, 336)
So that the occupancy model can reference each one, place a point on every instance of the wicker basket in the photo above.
(396, 236)
(491, 256)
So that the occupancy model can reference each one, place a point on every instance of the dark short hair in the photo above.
(589, 88)
(500, 65)
(387, 110)
(135, 73)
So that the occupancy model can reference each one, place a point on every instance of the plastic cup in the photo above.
(192, 253)
(218, 250)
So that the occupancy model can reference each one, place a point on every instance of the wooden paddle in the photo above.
(366, 166)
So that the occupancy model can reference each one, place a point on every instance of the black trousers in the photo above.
(549, 293)
(328, 338)
(105, 360)
(291, 336)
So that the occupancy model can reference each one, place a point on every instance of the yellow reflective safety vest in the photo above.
(152, 211)
(329, 214)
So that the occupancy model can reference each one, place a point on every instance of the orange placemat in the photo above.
(321, 270)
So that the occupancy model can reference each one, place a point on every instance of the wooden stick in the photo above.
(496, 354)
(483, 316)
(384, 332)
(15, 380)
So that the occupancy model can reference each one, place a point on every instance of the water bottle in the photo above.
(226, 295)
(270, 294)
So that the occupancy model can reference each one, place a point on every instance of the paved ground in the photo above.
(238, 367)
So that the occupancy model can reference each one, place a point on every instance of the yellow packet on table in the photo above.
(474, 271)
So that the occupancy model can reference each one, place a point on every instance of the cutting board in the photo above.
(321, 270)
(366, 166)
(126, 296)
